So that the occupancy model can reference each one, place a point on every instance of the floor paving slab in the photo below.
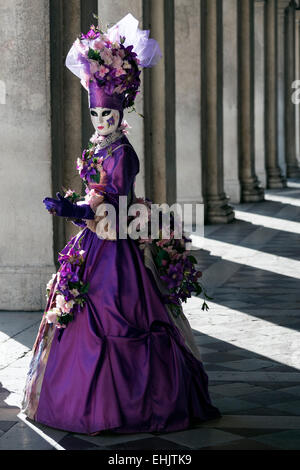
(249, 340)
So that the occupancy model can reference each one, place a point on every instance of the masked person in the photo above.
(109, 354)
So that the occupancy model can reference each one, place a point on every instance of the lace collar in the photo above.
(101, 142)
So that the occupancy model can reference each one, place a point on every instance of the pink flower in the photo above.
(60, 302)
(52, 315)
(106, 55)
(119, 72)
(99, 44)
(93, 66)
(103, 70)
(68, 306)
(117, 62)
(62, 305)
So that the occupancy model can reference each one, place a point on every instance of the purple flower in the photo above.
(174, 276)
(71, 276)
(91, 34)
(87, 172)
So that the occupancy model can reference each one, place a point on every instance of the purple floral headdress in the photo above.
(109, 63)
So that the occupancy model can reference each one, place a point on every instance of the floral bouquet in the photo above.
(176, 266)
(112, 58)
(105, 57)
(177, 269)
(69, 290)
(89, 165)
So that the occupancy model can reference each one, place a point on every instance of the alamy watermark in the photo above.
(149, 221)
(296, 95)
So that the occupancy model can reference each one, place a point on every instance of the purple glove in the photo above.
(64, 208)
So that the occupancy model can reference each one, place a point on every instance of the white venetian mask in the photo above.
(105, 120)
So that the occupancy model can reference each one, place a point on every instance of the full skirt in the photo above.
(122, 364)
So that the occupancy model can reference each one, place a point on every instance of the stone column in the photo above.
(259, 90)
(72, 117)
(109, 13)
(250, 186)
(217, 209)
(281, 6)
(230, 105)
(88, 8)
(297, 77)
(188, 102)
(159, 105)
(26, 229)
(293, 170)
(274, 177)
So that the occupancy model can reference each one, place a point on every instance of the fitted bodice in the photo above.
(121, 166)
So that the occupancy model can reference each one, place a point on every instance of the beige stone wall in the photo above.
(26, 232)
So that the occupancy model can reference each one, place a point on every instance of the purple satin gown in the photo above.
(121, 364)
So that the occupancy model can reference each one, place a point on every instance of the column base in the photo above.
(218, 211)
(252, 191)
(275, 180)
(292, 171)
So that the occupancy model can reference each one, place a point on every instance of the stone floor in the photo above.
(249, 340)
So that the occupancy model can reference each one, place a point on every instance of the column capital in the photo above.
(281, 6)
(259, 3)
